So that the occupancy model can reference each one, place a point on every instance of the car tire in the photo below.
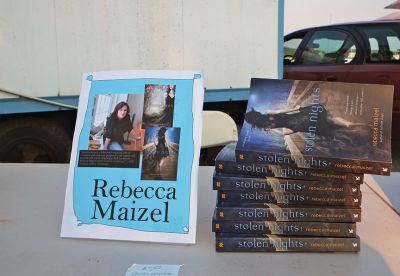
(33, 140)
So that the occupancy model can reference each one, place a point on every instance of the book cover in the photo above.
(134, 163)
(225, 162)
(225, 242)
(286, 228)
(240, 197)
(324, 125)
(273, 212)
(273, 184)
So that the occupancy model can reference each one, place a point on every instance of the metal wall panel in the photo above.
(28, 52)
(116, 35)
(46, 46)
(231, 41)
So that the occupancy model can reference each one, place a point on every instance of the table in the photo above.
(387, 188)
(31, 206)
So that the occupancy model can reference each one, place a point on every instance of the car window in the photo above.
(384, 44)
(329, 47)
(290, 46)
(374, 48)
(289, 49)
(394, 46)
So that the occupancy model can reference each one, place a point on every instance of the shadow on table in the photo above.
(391, 188)
(372, 262)
(368, 262)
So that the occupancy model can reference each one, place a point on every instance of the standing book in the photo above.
(134, 163)
(323, 125)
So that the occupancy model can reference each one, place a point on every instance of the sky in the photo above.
(301, 14)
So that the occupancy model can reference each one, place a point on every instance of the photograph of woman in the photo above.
(118, 123)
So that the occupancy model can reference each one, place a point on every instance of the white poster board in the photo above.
(134, 163)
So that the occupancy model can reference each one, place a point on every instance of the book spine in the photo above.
(240, 197)
(335, 164)
(272, 184)
(286, 171)
(286, 244)
(287, 228)
(276, 213)
(229, 167)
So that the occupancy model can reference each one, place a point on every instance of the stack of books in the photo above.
(292, 181)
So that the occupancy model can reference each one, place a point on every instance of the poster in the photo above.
(134, 163)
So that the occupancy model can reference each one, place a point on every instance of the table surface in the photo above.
(31, 206)
(387, 188)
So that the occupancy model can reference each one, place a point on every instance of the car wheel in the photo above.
(33, 140)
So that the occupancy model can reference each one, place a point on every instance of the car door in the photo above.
(324, 55)
(381, 63)
(382, 57)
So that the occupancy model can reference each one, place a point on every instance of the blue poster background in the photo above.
(84, 183)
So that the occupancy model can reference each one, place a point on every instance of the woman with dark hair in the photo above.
(161, 147)
(117, 124)
(169, 105)
(161, 143)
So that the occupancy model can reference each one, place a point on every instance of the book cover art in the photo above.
(227, 242)
(273, 212)
(225, 163)
(324, 125)
(134, 164)
(158, 106)
(286, 228)
(241, 197)
(273, 184)
(160, 153)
